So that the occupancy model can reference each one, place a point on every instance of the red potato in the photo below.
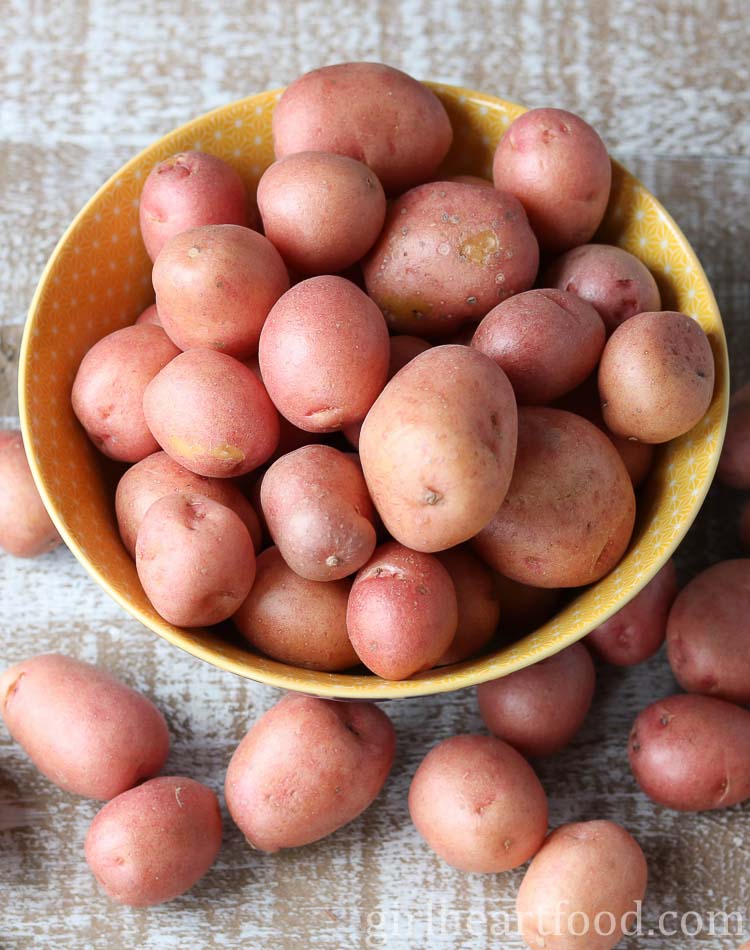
(370, 112)
(403, 612)
(708, 633)
(154, 842)
(294, 620)
(583, 889)
(524, 608)
(108, 390)
(186, 191)
(306, 768)
(149, 316)
(211, 414)
(478, 603)
(215, 286)
(324, 354)
(546, 341)
(539, 709)
(745, 527)
(83, 729)
(637, 631)
(734, 464)
(26, 530)
(447, 254)
(559, 169)
(692, 753)
(478, 804)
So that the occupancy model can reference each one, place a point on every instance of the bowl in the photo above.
(98, 280)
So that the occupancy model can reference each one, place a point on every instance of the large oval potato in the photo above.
(478, 804)
(692, 753)
(569, 512)
(734, 464)
(306, 768)
(54, 706)
(437, 447)
(478, 603)
(26, 529)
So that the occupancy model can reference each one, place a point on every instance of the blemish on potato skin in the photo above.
(479, 248)
(12, 689)
(194, 251)
(431, 497)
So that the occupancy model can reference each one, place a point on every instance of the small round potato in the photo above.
(447, 254)
(638, 629)
(569, 512)
(708, 633)
(539, 709)
(583, 888)
(86, 731)
(656, 377)
(523, 608)
(306, 768)
(692, 753)
(154, 842)
(478, 804)
(295, 620)
(478, 603)
(149, 315)
(403, 612)
(108, 390)
(324, 354)
(370, 112)
(734, 464)
(211, 414)
(195, 559)
(546, 341)
(26, 530)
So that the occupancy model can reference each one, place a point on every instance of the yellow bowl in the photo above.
(98, 279)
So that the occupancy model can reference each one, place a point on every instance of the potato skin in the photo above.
(211, 414)
(438, 446)
(708, 633)
(546, 341)
(26, 530)
(478, 804)
(370, 112)
(569, 512)
(692, 753)
(656, 377)
(149, 316)
(478, 603)
(108, 390)
(306, 768)
(154, 842)
(734, 464)
(589, 868)
(523, 608)
(324, 354)
(447, 254)
(295, 620)
(215, 286)
(52, 706)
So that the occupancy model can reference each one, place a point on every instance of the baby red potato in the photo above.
(26, 530)
(478, 603)
(734, 464)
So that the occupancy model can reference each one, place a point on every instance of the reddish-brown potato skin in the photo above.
(189, 190)
(478, 603)
(306, 768)
(318, 512)
(83, 729)
(478, 804)
(438, 446)
(656, 377)
(370, 112)
(403, 612)
(692, 753)
(569, 512)
(734, 464)
(295, 620)
(523, 608)
(149, 316)
(447, 254)
(468, 180)
(211, 414)
(616, 282)
(154, 842)
(26, 530)
(321, 211)
(637, 630)
(745, 527)
(583, 870)
(708, 633)
(324, 354)
(108, 390)
(546, 341)
(539, 709)
(215, 286)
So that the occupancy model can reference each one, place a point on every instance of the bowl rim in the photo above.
(330, 685)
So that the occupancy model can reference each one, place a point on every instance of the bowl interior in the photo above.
(99, 279)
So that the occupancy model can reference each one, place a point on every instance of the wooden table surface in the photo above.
(83, 85)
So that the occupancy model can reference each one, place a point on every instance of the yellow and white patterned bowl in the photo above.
(99, 278)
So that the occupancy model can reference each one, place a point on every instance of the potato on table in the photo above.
(478, 603)
(26, 530)
(734, 464)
